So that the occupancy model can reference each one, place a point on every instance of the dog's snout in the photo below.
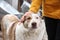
(34, 25)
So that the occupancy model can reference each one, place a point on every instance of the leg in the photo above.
(57, 37)
(50, 28)
(45, 37)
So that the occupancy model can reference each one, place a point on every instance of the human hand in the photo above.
(25, 15)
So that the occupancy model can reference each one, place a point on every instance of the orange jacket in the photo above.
(51, 8)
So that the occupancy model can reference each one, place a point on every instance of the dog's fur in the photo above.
(31, 29)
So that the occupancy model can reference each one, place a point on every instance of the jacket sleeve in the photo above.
(35, 5)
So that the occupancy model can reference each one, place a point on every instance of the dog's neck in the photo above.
(32, 32)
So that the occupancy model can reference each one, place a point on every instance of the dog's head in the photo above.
(33, 21)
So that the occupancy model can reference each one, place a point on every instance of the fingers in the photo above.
(22, 19)
(24, 16)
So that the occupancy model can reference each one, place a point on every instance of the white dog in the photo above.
(31, 29)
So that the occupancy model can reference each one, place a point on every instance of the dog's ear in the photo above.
(41, 18)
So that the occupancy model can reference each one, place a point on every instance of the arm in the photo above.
(35, 5)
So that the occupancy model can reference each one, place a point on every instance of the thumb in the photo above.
(23, 19)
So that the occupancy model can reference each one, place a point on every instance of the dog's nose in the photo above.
(34, 25)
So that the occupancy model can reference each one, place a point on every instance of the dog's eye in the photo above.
(28, 18)
(36, 17)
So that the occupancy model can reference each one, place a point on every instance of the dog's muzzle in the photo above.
(34, 25)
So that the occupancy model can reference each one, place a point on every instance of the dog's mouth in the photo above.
(34, 27)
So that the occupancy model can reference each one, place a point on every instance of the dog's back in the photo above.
(6, 23)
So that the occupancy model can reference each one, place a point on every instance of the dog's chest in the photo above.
(30, 36)
(27, 36)
(22, 34)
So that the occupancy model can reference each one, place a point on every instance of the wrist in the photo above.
(30, 11)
